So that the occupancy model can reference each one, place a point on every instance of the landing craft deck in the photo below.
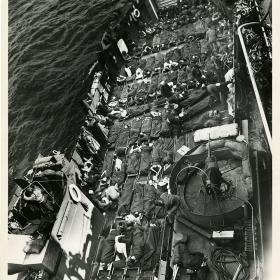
(160, 182)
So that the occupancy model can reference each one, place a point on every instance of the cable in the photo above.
(220, 257)
(191, 166)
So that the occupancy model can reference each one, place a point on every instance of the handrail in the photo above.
(254, 84)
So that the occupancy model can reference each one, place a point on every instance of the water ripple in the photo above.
(51, 42)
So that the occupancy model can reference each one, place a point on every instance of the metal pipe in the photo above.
(188, 167)
(253, 234)
(254, 84)
(254, 245)
(259, 206)
(237, 272)
(153, 9)
(233, 67)
(195, 227)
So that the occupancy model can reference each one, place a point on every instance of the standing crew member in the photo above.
(171, 203)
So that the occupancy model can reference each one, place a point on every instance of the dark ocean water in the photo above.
(52, 44)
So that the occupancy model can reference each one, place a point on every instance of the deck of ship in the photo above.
(142, 97)
(139, 128)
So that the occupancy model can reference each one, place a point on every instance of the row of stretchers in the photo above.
(143, 144)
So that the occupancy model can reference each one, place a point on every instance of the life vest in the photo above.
(135, 14)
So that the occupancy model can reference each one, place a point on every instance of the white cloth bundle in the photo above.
(139, 73)
(112, 192)
(132, 219)
(120, 247)
(216, 132)
(229, 75)
(118, 164)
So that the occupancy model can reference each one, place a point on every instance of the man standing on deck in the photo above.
(214, 179)
(219, 90)
(211, 36)
(166, 90)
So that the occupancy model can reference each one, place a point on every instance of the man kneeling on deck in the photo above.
(171, 203)
(214, 179)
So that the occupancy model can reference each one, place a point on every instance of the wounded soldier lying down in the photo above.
(123, 248)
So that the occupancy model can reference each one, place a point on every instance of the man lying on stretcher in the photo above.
(129, 245)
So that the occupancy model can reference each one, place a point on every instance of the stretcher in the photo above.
(155, 247)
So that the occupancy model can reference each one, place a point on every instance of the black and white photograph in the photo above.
(139, 140)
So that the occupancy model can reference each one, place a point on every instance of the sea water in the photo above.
(52, 44)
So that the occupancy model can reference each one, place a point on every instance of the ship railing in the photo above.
(253, 81)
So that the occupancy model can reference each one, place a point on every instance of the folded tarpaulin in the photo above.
(212, 133)
(200, 121)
